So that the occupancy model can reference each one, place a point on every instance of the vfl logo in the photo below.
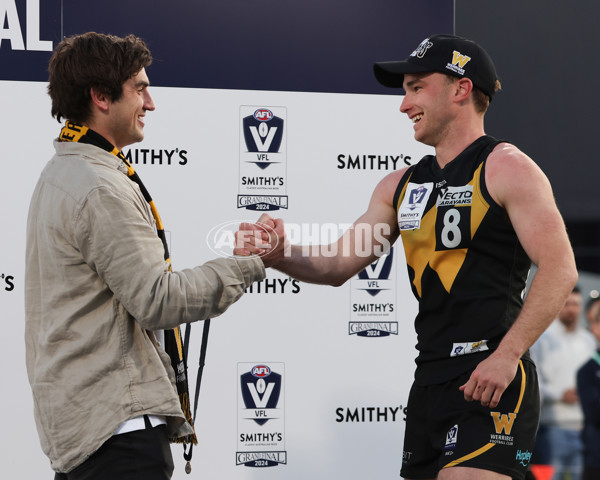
(413, 205)
(378, 270)
(416, 196)
(503, 422)
(260, 390)
(421, 50)
(451, 438)
(263, 133)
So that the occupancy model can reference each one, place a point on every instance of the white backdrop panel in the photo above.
(328, 374)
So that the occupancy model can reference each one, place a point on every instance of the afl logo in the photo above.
(263, 114)
(261, 371)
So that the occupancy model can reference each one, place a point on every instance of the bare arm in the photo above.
(369, 237)
(530, 204)
(517, 184)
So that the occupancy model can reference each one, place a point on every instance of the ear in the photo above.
(99, 99)
(464, 86)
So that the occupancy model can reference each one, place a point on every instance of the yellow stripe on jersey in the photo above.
(447, 264)
(479, 209)
(420, 244)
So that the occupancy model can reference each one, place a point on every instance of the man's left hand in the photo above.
(489, 380)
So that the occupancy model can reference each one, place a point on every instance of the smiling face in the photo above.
(428, 103)
(125, 122)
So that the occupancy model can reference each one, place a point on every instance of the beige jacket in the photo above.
(96, 285)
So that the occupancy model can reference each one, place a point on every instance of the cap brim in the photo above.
(391, 74)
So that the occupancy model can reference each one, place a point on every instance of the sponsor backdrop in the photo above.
(265, 108)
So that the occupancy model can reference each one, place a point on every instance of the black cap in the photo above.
(447, 54)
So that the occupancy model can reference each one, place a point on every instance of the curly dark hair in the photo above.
(92, 59)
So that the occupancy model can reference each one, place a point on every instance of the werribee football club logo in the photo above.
(373, 299)
(458, 62)
(503, 422)
(261, 432)
(263, 158)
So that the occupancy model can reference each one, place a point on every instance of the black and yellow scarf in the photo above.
(73, 132)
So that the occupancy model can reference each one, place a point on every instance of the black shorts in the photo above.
(444, 430)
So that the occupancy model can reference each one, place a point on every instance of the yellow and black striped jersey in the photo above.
(466, 265)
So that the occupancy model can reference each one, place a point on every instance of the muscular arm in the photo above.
(517, 184)
(368, 238)
(530, 204)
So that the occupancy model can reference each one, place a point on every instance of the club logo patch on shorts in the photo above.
(503, 424)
